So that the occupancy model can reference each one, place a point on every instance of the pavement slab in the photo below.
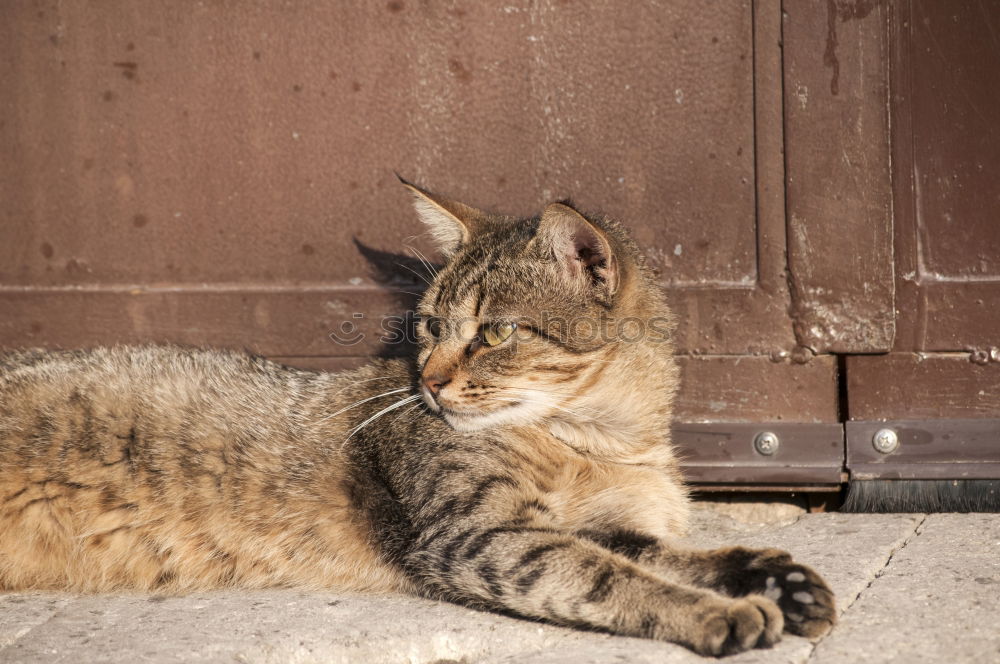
(937, 600)
(887, 571)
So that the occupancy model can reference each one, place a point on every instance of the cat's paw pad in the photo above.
(737, 625)
(804, 597)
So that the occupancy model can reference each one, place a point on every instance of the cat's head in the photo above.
(551, 317)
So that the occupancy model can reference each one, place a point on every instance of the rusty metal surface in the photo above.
(840, 249)
(246, 147)
(928, 449)
(221, 173)
(913, 386)
(946, 150)
(757, 389)
(277, 322)
(724, 453)
(955, 113)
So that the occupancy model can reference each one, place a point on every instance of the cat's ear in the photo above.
(450, 223)
(579, 246)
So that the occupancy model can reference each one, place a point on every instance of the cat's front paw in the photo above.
(805, 599)
(731, 626)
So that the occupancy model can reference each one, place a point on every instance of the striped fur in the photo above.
(534, 477)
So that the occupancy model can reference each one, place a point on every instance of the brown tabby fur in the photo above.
(535, 477)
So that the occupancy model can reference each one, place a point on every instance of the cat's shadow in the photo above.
(404, 277)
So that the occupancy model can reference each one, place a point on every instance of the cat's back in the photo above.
(71, 397)
(166, 467)
(136, 373)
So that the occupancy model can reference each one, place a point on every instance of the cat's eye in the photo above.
(434, 327)
(497, 333)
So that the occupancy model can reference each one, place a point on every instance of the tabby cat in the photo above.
(521, 462)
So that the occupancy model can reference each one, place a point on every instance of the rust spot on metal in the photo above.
(459, 70)
(128, 68)
(845, 11)
(979, 356)
(830, 54)
(802, 354)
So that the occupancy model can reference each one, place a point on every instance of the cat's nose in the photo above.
(435, 382)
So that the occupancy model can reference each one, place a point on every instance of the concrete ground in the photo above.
(911, 588)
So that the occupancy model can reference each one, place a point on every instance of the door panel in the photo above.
(123, 136)
(914, 386)
(954, 123)
(840, 253)
(946, 148)
(246, 150)
(758, 389)
(222, 175)
(938, 392)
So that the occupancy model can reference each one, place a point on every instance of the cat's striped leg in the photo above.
(805, 599)
(547, 574)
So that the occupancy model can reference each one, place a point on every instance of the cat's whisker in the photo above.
(405, 412)
(389, 409)
(422, 277)
(423, 259)
(358, 403)
(360, 382)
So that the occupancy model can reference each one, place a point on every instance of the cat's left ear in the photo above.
(450, 223)
(579, 246)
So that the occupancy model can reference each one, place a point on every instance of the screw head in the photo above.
(766, 443)
(885, 441)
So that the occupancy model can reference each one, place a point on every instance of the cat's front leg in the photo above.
(805, 599)
(543, 573)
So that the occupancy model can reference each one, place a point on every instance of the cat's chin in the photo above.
(518, 414)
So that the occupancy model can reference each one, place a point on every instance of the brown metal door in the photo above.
(222, 174)
(940, 385)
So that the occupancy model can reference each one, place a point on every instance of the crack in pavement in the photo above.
(917, 529)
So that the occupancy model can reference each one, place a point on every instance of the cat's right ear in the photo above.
(450, 223)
